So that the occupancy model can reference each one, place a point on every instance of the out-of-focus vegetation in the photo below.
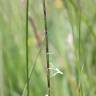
(72, 36)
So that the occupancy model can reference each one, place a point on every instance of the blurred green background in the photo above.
(72, 47)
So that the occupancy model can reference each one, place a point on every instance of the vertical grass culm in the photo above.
(47, 46)
(27, 63)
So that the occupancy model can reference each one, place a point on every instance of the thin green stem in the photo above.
(47, 47)
(27, 63)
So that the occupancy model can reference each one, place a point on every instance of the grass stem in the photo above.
(47, 47)
(27, 63)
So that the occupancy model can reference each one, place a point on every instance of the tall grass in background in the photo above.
(71, 41)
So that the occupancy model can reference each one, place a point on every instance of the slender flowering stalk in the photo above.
(27, 63)
(47, 47)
